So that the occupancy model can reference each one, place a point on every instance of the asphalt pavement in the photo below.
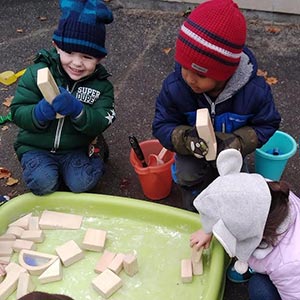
(141, 42)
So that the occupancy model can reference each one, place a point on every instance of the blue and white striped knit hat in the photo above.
(81, 27)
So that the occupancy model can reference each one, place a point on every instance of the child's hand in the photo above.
(66, 104)
(200, 239)
(44, 112)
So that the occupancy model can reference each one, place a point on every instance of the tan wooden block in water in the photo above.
(69, 253)
(7, 237)
(25, 285)
(9, 284)
(94, 239)
(36, 262)
(34, 223)
(104, 261)
(5, 260)
(206, 131)
(20, 244)
(107, 283)
(47, 86)
(196, 254)
(58, 220)
(6, 248)
(53, 273)
(15, 230)
(197, 267)
(130, 264)
(116, 264)
(22, 222)
(36, 236)
(186, 270)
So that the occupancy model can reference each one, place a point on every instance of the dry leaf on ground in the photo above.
(11, 181)
(4, 173)
(7, 101)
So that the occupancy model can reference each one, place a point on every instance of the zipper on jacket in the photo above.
(59, 127)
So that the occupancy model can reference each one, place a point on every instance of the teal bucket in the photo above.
(272, 157)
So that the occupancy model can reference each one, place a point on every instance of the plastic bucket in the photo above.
(156, 181)
(272, 157)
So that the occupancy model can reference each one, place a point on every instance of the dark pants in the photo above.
(193, 175)
(261, 288)
(43, 172)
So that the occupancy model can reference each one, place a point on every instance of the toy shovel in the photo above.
(156, 160)
(9, 77)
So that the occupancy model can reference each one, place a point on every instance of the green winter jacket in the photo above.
(61, 135)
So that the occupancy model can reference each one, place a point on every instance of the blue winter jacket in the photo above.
(245, 101)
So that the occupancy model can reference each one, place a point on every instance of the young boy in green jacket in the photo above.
(54, 150)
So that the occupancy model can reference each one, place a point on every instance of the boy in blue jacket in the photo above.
(213, 70)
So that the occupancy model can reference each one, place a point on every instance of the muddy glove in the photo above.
(67, 105)
(44, 112)
(186, 141)
(243, 139)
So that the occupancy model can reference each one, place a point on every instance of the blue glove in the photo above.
(44, 112)
(66, 104)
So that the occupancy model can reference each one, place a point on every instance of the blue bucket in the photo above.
(272, 157)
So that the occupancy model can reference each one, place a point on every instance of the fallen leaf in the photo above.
(167, 50)
(11, 181)
(124, 183)
(186, 12)
(273, 29)
(262, 73)
(271, 80)
(7, 101)
(4, 173)
(19, 30)
(4, 89)
(4, 128)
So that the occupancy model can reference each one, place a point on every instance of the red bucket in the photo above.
(155, 180)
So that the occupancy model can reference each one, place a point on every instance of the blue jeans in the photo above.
(43, 171)
(261, 288)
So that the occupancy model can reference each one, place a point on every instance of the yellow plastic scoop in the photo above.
(9, 77)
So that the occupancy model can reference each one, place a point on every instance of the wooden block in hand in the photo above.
(25, 285)
(206, 131)
(58, 220)
(186, 270)
(196, 254)
(47, 86)
(69, 253)
(94, 239)
(104, 261)
(107, 283)
(130, 264)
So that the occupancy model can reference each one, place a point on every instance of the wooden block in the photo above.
(130, 264)
(5, 260)
(9, 284)
(36, 236)
(197, 267)
(34, 223)
(196, 254)
(186, 270)
(53, 273)
(69, 253)
(23, 244)
(104, 261)
(94, 239)
(25, 285)
(116, 264)
(6, 248)
(7, 237)
(36, 262)
(107, 283)
(58, 220)
(22, 222)
(47, 86)
(15, 230)
(206, 131)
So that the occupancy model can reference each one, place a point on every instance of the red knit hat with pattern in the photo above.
(212, 38)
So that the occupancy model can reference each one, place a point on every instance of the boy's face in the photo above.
(200, 84)
(77, 65)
